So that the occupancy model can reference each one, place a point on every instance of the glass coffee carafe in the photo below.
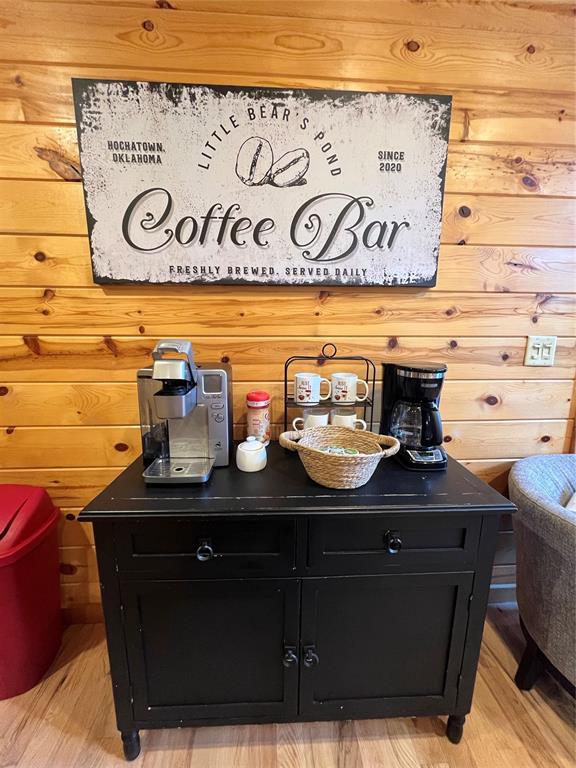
(406, 423)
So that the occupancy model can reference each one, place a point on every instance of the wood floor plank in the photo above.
(67, 721)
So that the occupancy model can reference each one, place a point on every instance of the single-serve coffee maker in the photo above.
(410, 399)
(185, 415)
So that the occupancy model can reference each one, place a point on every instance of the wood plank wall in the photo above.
(69, 349)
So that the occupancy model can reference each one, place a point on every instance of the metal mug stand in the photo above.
(329, 352)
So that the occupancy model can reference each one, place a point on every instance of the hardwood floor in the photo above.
(68, 722)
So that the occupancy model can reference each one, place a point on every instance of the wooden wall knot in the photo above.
(464, 211)
(531, 49)
(110, 345)
(413, 46)
(121, 447)
(33, 344)
(465, 126)
(3, 391)
(447, 438)
(392, 342)
(453, 344)
(47, 296)
(40, 256)
(148, 25)
(68, 569)
(530, 182)
(492, 400)
(164, 4)
(59, 163)
(545, 438)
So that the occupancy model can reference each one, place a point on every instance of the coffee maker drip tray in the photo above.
(179, 470)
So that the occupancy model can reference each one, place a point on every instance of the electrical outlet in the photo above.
(540, 350)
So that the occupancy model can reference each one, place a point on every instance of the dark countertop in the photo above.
(284, 487)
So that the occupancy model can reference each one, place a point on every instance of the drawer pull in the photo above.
(393, 542)
(290, 658)
(204, 551)
(311, 658)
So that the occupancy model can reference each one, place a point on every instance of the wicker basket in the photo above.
(333, 471)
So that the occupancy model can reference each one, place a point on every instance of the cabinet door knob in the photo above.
(393, 542)
(204, 551)
(290, 658)
(311, 658)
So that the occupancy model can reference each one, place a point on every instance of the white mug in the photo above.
(345, 388)
(311, 419)
(307, 388)
(345, 418)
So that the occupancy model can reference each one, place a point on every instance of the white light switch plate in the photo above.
(540, 350)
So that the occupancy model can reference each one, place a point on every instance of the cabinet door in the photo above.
(373, 646)
(212, 649)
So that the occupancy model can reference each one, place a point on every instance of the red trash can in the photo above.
(30, 619)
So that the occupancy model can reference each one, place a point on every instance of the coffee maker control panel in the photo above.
(432, 456)
(215, 392)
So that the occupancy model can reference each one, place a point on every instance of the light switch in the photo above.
(540, 350)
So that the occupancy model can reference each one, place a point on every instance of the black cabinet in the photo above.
(235, 636)
(382, 644)
(265, 598)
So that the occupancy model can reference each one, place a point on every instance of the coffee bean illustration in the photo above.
(290, 169)
(254, 160)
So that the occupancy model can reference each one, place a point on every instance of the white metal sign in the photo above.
(207, 184)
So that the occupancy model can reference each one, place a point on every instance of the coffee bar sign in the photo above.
(205, 184)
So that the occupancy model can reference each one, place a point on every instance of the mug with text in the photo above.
(307, 388)
(346, 417)
(345, 388)
(310, 418)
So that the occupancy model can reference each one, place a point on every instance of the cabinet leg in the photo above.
(131, 744)
(530, 667)
(455, 728)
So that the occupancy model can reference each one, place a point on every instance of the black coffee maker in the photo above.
(410, 399)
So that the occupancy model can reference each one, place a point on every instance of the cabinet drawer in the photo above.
(208, 548)
(378, 543)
